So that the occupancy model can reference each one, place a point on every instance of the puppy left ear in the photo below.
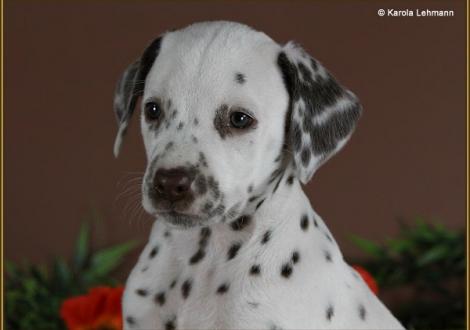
(130, 87)
(322, 114)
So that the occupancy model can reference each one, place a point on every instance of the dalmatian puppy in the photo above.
(233, 124)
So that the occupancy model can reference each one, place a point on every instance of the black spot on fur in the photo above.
(186, 288)
(315, 223)
(286, 270)
(259, 204)
(266, 237)
(196, 122)
(250, 188)
(160, 298)
(223, 288)
(170, 324)
(252, 198)
(153, 252)
(169, 145)
(167, 233)
(295, 257)
(198, 256)
(290, 180)
(180, 125)
(233, 250)
(330, 313)
(253, 304)
(240, 78)
(362, 312)
(304, 222)
(173, 283)
(201, 184)
(145, 269)
(220, 121)
(328, 237)
(194, 139)
(141, 292)
(328, 256)
(204, 236)
(130, 320)
(255, 270)
(305, 156)
(241, 222)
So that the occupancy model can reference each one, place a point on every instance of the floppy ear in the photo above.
(130, 87)
(321, 115)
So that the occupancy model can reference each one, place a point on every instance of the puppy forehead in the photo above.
(212, 59)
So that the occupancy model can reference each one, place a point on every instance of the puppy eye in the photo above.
(240, 120)
(152, 111)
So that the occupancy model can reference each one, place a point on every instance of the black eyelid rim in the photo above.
(152, 100)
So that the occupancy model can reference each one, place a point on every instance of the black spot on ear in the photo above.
(255, 270)
(153, 252)
(362, 312)
(296, 136)
(186, 288)
(305, 157)
(241, 222)
(160, 298)
(141, 292)
(266, 237)
(295, 257)
(286, 270)
(233, 250)
(223, 288)
(329, 313)
(304, 222)
(240, 78)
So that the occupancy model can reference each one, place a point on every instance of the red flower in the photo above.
(100, 309)
(367, 277)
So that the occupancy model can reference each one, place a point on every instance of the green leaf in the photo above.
(106, 260)
(367, 246)
(82, 247)
(434, 254)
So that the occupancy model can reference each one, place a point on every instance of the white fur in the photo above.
(195, 69)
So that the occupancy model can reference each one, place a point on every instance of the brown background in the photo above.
(62, 60)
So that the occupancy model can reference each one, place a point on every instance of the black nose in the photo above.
(173, 184)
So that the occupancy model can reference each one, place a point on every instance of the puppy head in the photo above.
(225, 111)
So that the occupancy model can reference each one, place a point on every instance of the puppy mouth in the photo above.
(180, 220)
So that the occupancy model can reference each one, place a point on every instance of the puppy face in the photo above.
(224, 109)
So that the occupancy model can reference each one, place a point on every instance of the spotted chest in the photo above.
(270, 270)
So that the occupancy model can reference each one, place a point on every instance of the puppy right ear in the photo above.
(130, 87)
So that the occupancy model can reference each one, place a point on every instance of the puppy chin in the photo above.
(179, 220)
